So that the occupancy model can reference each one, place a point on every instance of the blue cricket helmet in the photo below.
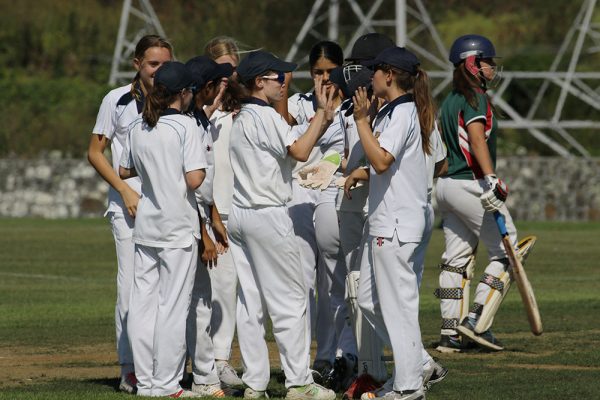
(471, 45)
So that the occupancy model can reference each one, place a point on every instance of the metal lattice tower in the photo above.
(572, 85)
(144, 21)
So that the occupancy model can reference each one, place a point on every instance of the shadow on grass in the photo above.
(112, 383)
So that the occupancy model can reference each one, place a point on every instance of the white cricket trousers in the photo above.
(369, 347)
(332, 312)
(302, 212)
(465, 223)
(388, 295)
(122, 229)
(198, 340)
(224, 281)
(271, 284)
(160, 301)
(419, 263)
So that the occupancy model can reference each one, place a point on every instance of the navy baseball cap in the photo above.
(205, 70)
(175, 76)
(259, 62)
(368, 46)
(351, 77)
(397, 57)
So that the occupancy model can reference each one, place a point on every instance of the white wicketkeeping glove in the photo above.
(495, 195)
(319, 175)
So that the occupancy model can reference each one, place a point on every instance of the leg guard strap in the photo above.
(492, 282)
(448, 293)
(449, 323)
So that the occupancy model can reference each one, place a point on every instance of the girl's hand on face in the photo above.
(361, 104)
(324, 98)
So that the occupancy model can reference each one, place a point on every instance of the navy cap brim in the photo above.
(223, 71)
(282, 66)
(371, 63)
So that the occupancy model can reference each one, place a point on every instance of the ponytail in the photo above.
(157, 101)
(421, 89)
(425, 108)
(237, 92)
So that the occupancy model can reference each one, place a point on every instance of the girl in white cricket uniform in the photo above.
(263, 147)
(120, 107)
(310, 205)
(165, 150)
(388, 292)
(207, 80)
(223, 279)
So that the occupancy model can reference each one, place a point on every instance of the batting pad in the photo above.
(368, 343)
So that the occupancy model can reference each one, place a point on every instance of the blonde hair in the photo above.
(222, 46)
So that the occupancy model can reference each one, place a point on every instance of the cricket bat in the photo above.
(518, 273)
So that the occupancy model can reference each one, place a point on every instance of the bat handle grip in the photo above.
(500, 223)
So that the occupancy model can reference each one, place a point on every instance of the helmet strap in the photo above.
(470, 65)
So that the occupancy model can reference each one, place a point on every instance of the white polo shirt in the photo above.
(398, 197)
(167, 213)
(117, 111)
(262, 170)
(220, 129)
(204, 194)
(438, 153)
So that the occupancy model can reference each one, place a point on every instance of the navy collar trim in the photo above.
(255, 100)
(389, 107)
(129, 97)
(312, 98)
(201, 118)
(170, 111)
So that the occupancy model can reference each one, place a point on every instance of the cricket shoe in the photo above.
(128, 383)
(343, 373)
(312, 391)
(485, 339)
(404, 395)
(227, 375)
(320, 370)
(433, 373)
(449, 344)
(381, 391)
(212, 390)
(363, 383)
(182, 393)
(250, 393)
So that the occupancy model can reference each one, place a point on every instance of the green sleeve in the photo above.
(471, 114)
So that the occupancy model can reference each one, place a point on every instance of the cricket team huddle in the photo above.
(232, 204)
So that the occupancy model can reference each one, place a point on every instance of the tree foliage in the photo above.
(55, 55)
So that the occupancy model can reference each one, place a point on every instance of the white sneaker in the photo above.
(213, 390)
(227, 375)
(405, 395)
(181, 393)
(128, 383)
(312, 391)
(250, 393)
(386, 388)
(433, 373)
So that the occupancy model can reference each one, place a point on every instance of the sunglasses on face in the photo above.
(280, 77)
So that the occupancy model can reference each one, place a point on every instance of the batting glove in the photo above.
(319, 175)
(494, 197)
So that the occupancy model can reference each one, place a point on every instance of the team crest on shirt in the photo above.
(208, 147)
(379, 241)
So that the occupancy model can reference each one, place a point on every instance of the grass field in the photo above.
(57, 293)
